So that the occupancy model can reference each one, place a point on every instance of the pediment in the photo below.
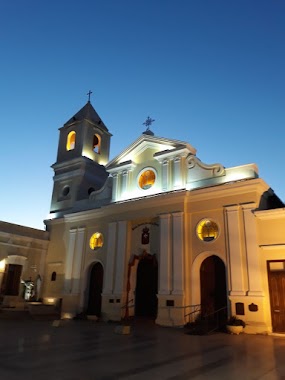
(151, 147)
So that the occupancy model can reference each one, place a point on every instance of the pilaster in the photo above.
(121, 257)
(77, 261)
(69, 261)
(115, 187)
(178, 251)
(110, 259)
(177, 173)
(165, 277)
(237, 285)
(165, 175)
(254, 276)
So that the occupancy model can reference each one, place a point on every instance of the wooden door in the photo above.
(212, 285)
(95, 290)
(11, 280)
(276, 280)
(146, 288)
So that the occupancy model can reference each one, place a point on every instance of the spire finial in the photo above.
(89, 94)
(148, 122)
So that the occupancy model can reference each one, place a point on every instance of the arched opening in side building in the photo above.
(146, 287)
(213, 286)
(11, 279)
(95, 290)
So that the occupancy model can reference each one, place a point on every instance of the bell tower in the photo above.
(83, 152)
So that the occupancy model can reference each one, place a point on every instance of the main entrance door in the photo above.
(276, 279)
(95, 290)
(146, 288)
(213, 285)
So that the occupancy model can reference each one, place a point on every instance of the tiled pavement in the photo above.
(85, 350)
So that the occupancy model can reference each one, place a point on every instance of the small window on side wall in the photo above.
(70, 142)
(96, 143)
(53, 276)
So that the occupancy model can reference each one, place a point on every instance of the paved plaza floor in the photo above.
(85, 350)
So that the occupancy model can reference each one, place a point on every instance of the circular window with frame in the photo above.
(207, 230)
(65, 190)
(96, 241)
(146, 179)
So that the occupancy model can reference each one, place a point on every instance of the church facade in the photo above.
(157, 233)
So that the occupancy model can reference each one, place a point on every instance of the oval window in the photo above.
(147, 179)
(96, 240)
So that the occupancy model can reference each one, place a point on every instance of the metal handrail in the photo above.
(194, 313)
(213, 316)
(196, 307)
(215, 311)
(127, 303)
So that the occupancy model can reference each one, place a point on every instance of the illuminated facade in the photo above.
(157, 233)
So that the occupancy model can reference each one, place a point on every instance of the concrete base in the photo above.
(14, 302)
(256, 328)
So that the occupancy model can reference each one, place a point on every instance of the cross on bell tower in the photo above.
(89, 95)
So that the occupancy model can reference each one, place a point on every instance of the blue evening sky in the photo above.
(210, 72)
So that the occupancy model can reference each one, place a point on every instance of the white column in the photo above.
(110, 259)
(165, 259)
(178, 254)
(237, 286)
(165, 175)
(115, 187)
(77, 260)
(124, 188)
(177, 180)
(69, 261)
(121, 257)
(254, 276)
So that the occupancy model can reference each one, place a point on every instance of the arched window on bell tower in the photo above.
(70, 142)
(96, 143)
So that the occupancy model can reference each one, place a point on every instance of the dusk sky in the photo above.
(210, 72)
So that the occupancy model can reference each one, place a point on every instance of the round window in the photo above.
(90, 190)
(207, 230)
(65, 191)
(147, 179)
(96, 240)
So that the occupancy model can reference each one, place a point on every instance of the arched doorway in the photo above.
(11, 280)
(95, 290)
(213, 285)
(146, 287)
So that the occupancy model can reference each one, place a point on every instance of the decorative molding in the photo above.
(270, 214)
(55, 263)
(144, 224)
(218, 169)
(272, 246)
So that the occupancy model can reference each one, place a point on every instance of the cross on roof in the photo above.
(89, 94)
(148, 122)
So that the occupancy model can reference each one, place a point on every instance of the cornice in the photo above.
(228, 189)
(278, 213)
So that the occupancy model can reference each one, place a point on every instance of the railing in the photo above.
(209, 322)
(215, 320)
(126, 307)
(195, 313)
